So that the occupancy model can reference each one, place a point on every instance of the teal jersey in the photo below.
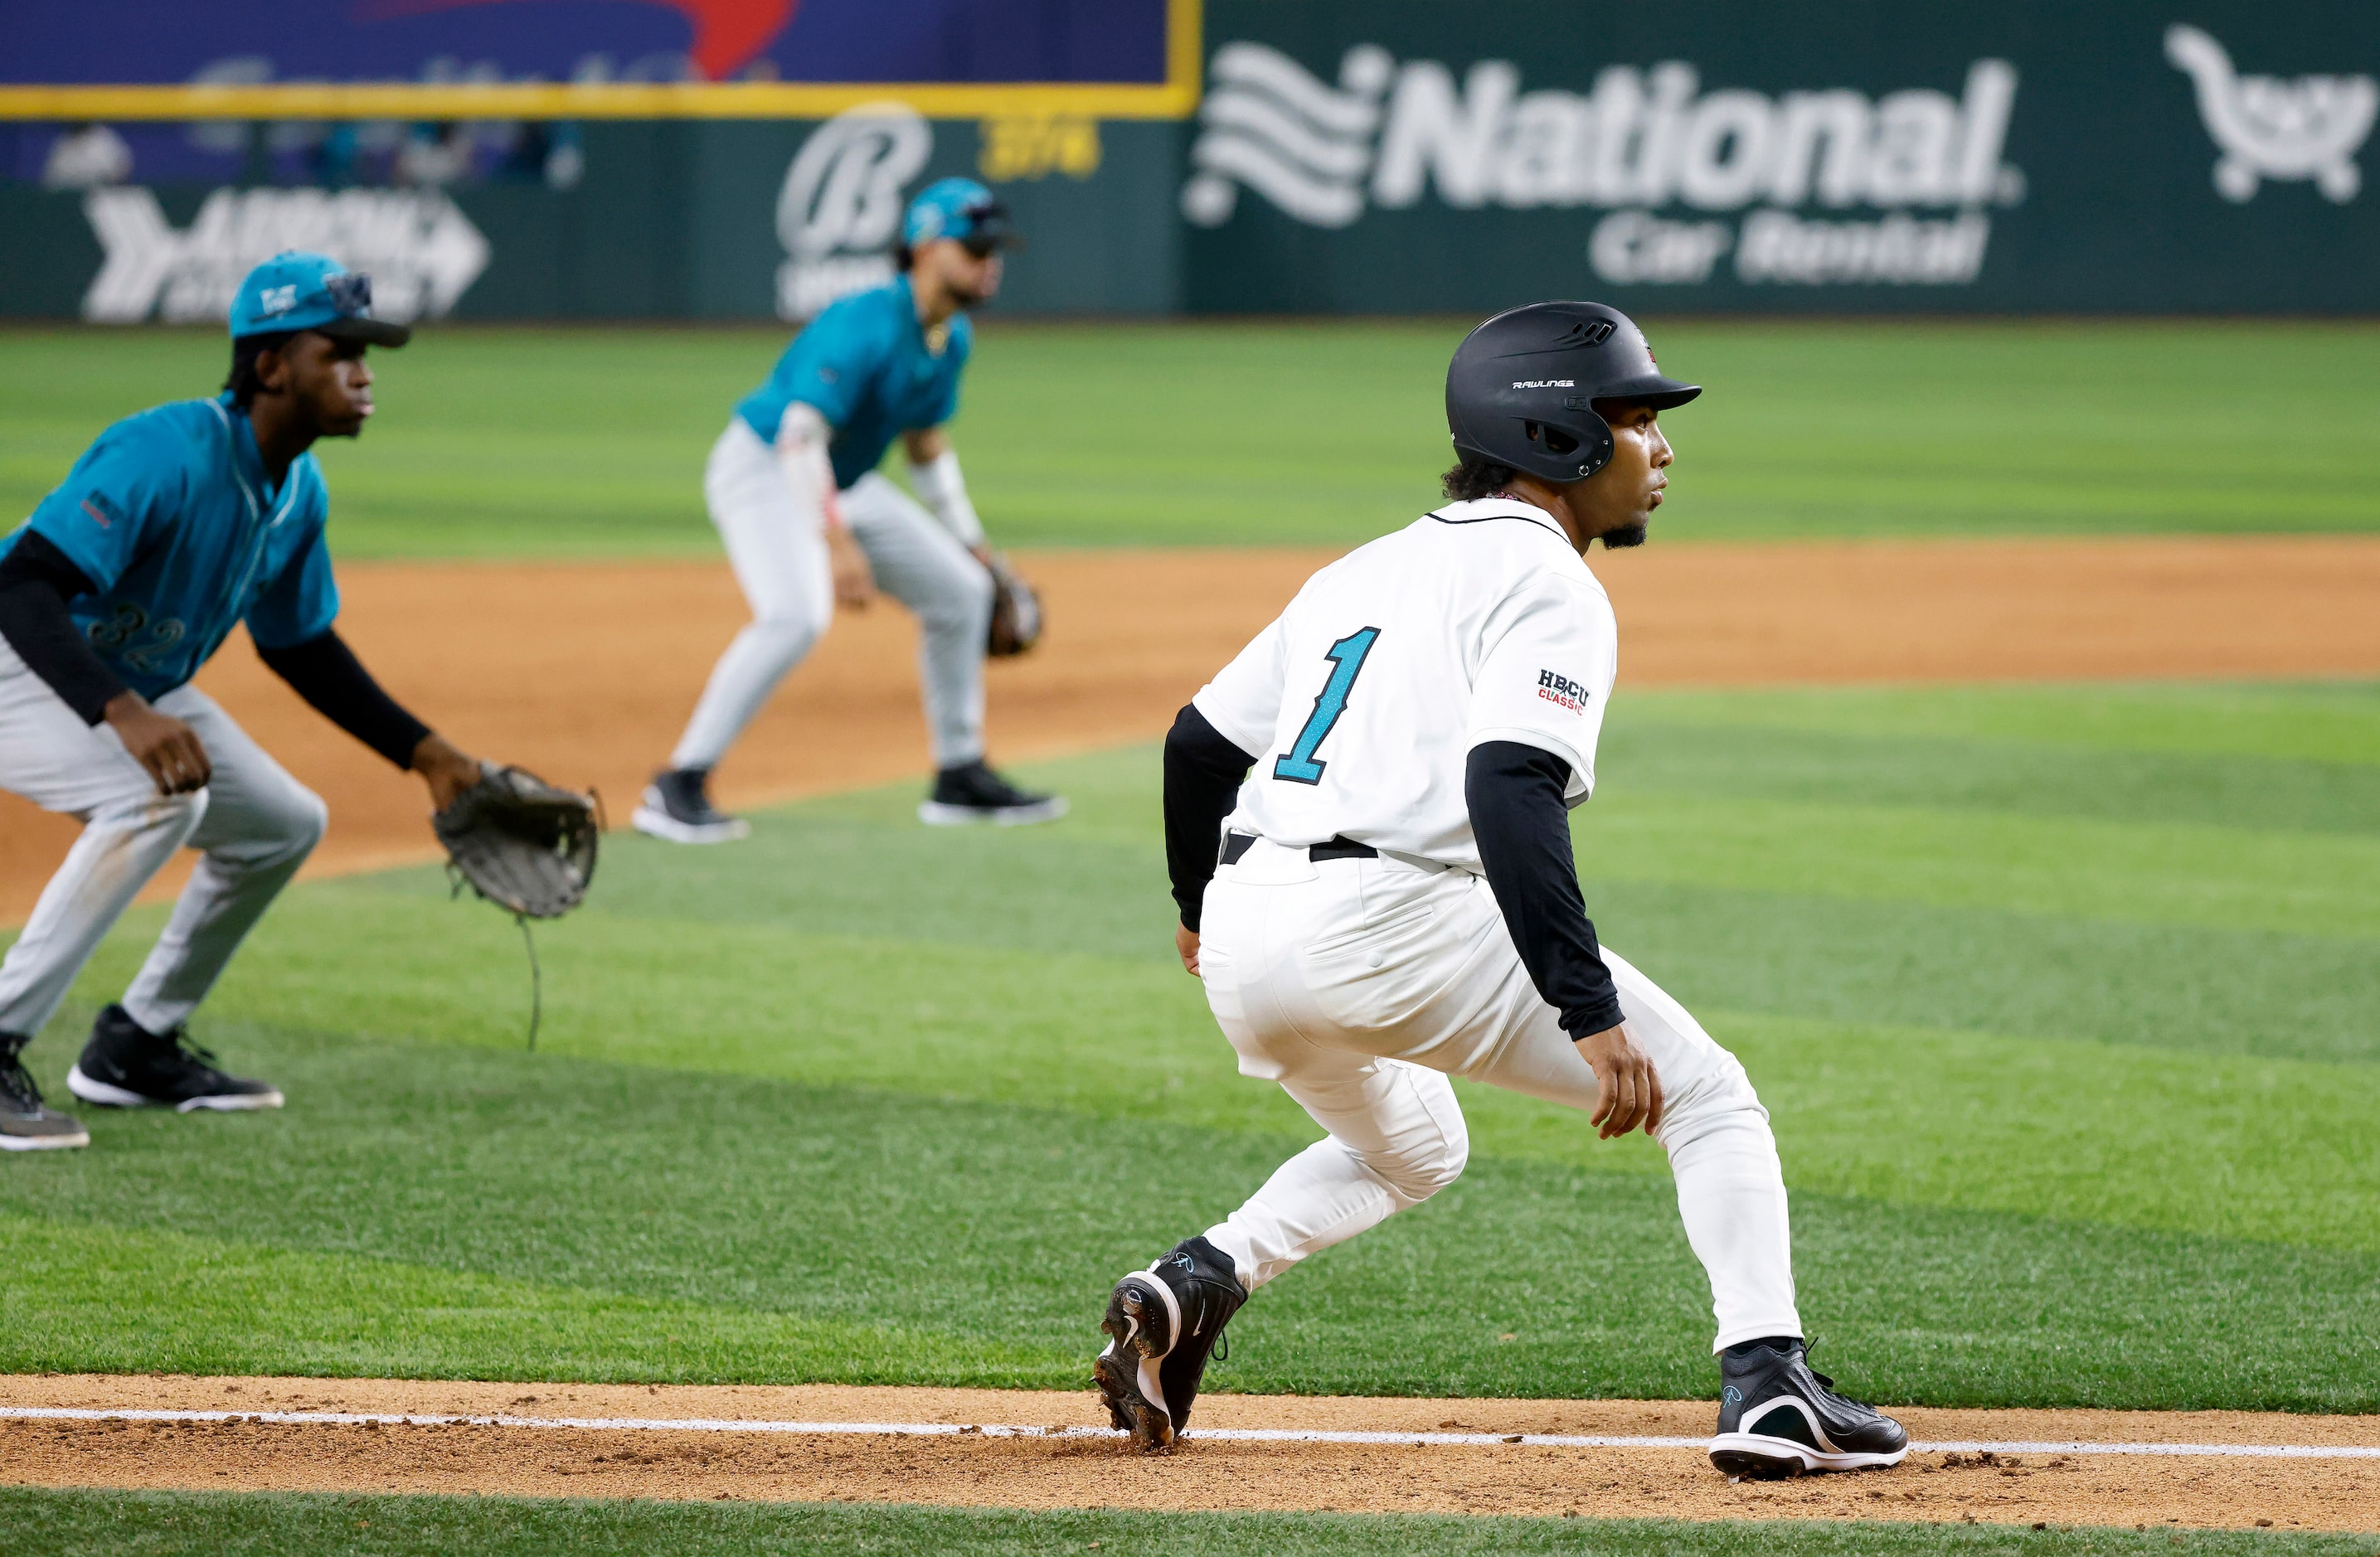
(170, 517)
(863, 363)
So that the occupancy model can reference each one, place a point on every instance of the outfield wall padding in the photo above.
(1398, 156)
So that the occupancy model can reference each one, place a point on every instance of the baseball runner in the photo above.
(179, 524)
(1387, 769)
(810, 521)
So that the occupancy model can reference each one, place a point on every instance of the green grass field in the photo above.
(2062, 998)
(2070, 1052)
(167, 1524)
(530, 442)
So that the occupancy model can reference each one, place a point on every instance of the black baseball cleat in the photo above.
(678, 807)
(1165, 1322)
(971, 791)
(26, 1123)
(126, 1065)
(1777, 1418)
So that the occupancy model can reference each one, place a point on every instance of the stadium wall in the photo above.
(1319, 156)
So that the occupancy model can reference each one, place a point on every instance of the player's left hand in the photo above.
(444, 768)
(1627, 1093)
(1185, 946)
(855, 580)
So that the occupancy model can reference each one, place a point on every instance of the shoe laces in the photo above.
(17, 1083)
(192, 1052)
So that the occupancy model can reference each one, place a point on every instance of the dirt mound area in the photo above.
(986, 1448)
(586, 672)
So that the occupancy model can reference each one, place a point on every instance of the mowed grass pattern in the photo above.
(2070, 1045)
(73, 1524)
(526, 443)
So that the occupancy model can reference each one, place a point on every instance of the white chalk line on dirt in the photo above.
(1233, 1435)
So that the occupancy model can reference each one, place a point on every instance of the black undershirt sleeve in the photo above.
(36, 582)
(326, 673)
(1202, 772)
(1515, 793)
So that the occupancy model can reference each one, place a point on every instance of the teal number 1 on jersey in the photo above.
(1346, 656)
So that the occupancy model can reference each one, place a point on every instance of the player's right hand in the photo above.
(1627, 1090)
(170, 752)
(855, 581)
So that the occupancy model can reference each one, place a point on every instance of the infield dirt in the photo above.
(586, 672)
(970, 1469)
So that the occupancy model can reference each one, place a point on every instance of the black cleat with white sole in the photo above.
(126, 1065)
(1777, 1418)
(969, 792)
(676, 806)
(1164, 1323)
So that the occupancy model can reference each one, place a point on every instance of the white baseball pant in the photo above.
(1361, 985)
(779, 558)
(253, 822)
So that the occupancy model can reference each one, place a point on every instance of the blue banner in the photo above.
(177, 43)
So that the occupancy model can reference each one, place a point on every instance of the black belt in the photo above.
(1237, 844)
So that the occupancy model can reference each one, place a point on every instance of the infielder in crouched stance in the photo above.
(177, 525)
(808, 520)
(1387, 769)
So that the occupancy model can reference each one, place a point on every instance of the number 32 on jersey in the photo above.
(1299, 765)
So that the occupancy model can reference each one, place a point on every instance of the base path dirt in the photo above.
(2038, 1473)
(586, 672)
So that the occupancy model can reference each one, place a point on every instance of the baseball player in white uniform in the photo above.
(1367, 827)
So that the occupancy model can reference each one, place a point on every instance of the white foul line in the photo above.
(1233, 1435)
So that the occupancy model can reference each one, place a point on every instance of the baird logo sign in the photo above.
(841, 205)
(1640, 141)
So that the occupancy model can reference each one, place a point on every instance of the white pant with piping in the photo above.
(253, 822)
(779, 557)
(1361, 985)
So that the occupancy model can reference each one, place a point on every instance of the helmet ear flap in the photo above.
(1553, 440)
(1581, 456)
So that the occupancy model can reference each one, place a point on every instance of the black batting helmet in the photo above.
(1522, 387)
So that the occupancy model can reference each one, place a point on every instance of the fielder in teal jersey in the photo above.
(808, 520)
(178, 525)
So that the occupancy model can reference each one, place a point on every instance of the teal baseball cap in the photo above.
(962, 209)
(295, 290)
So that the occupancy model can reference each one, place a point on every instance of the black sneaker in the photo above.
(126, 1065)
(1777, 1418)
(26, 1124)
(678, 807)
(1166, 1321)
(973, 793)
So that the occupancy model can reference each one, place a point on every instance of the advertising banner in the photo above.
(1390, 157)
(172, 59)
(658, 220)
(532, 159)
(1401, 155)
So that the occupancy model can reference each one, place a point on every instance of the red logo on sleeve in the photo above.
(99, 516)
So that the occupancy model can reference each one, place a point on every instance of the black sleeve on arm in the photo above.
(36, 582)
(327, 674)
(1515, 796)
(1202, 772)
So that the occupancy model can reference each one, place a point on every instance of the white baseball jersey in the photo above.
(1363, 700)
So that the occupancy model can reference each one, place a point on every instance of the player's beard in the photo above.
(1626, 535)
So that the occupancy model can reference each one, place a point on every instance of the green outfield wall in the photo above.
(1367, 156)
